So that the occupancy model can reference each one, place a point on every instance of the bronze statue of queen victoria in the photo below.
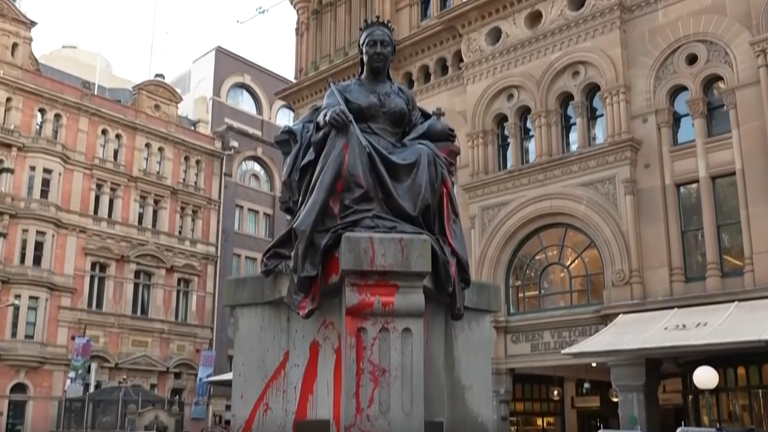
(369, 160)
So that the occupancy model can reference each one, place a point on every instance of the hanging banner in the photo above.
(204, 371)
(78, 366)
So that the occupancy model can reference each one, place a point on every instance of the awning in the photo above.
(712, 327)
(221, 380)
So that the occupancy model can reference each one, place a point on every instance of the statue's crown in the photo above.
(377, 22)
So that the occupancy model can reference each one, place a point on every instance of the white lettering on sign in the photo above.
(548, 341)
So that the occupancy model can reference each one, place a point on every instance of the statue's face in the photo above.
(377, 50)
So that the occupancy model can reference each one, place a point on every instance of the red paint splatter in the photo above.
(330, 273)
(337, 364)
(370, 294)
(261, 404)
(308, 383)
(340, 183)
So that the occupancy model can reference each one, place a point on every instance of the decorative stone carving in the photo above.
(554, 118)
(620, 277)
(629, 187)
(489, 214)
(577, 167)
(729, 97)
(578, 107)
(710, 52)
(606, 188)
(472, 222)
(716, 54)
(697, 107)
(664, 117)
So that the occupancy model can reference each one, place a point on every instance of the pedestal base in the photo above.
(379, 356)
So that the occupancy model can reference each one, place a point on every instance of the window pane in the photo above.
(252, 222)
(266, 225)
(690, 207)
(726, 200)
(695, 256)
(235, 265)
(731, 248)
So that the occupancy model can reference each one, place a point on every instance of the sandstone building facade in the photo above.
(612, 170)
(109, 219)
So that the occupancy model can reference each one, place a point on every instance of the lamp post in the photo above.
(706, 378)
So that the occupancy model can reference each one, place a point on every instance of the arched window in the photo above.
(570, 133)
(527, 137)
(103, 139)
(16, 417)
(556, 267)
(238, 96)
(160, 160)
(502, 143)
(7, 110)
(284, 116)
(56, 127)
(682, 122)
(184, 169)
(198, 171)
(253, 173)
(118, 150)
(40, 122)
(146, 156)
(718, 121)
(595, 117)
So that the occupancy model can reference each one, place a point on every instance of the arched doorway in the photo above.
(16, 417)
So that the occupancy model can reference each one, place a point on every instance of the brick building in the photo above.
(235, 98)
(109, 216)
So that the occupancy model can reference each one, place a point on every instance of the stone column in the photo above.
(503, 389)
(118, 210)
(623, 112)
(187, 224)
(675, 241)
(616, 107)
(638, 383)
(473, 156)
(633, 228)
(714, 278)
(741, 184)
(483, 156)
(383, 307)
(555, 142)
(579, 109)
(149, 209)
(537, 132)
(605, 98)
(762, 67)
(541, 124)
(104, 200)
(515, 145)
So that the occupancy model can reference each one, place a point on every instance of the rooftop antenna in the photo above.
(261, 11)
(152, 43)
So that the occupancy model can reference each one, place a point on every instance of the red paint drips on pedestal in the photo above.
(261, 404)
(308, 383)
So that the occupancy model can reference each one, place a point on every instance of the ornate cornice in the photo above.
(558, 169)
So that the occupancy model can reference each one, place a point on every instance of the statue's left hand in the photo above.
(440, 131)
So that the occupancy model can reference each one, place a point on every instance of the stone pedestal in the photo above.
(380, 355)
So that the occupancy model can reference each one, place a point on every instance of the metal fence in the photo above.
(93, 412)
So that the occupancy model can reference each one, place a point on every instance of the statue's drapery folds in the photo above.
(394, 176)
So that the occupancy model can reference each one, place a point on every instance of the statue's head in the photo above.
(377, 46)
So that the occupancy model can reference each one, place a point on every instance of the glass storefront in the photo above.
(532, 409)
(740, 399)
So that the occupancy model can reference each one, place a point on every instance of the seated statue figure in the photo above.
(368, 160)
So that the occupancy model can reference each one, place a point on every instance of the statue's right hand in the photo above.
(339, 118)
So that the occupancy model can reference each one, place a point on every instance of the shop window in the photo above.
(555, 267)
(740, 400)
(532, 409)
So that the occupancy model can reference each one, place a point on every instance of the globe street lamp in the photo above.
(706, 378)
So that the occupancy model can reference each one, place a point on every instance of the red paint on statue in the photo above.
(308, 383)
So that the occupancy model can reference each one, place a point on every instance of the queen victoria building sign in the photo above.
(548, 341)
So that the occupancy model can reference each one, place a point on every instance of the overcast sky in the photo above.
(184, 30)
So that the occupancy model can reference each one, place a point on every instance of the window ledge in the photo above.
(559, 317)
